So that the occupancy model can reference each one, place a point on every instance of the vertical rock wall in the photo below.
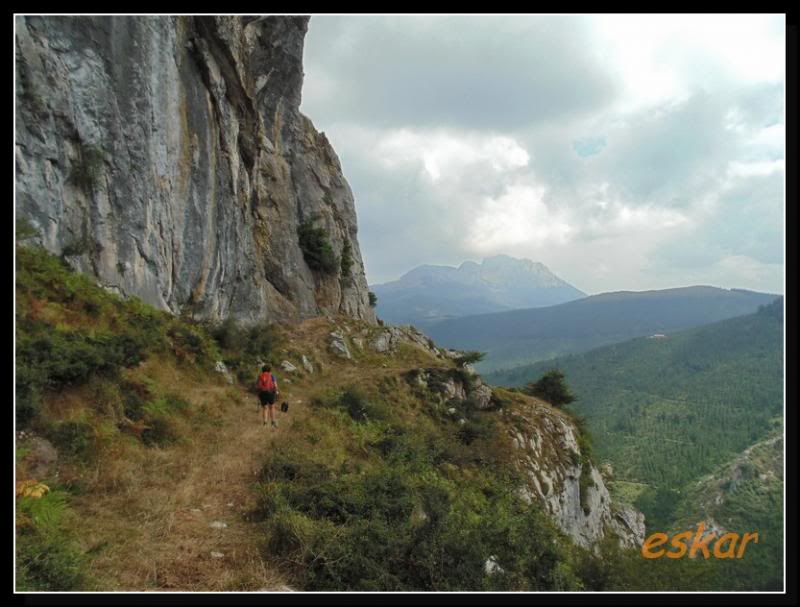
(168, 157)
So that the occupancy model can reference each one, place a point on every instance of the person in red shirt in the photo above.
(267, 394)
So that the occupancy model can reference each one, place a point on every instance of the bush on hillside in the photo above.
(47, 558)
(469, 358)
(551, 387)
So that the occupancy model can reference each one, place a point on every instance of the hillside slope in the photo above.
(666, 411)
(526, 336)
(393, 468)
(428, 294)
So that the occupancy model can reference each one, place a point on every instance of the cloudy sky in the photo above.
(624, 152)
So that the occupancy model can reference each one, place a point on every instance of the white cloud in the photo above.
(450, 153)
(518, 216)
(755, 169)
(660, 57)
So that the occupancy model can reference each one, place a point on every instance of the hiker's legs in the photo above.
(271, 412)
(264, 414)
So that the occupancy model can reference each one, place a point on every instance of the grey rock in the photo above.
(41, 459)
(218, 525)
(217, 555)
(174, 150)
(339, 346)
(220, 367)
(553, 469)
(307, 363)
(491, 566)
(382, 343)
(288, 367)
(482, 396)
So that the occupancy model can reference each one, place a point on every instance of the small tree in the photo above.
(317, 249)
(373, 299)
(469, 358)
(551, 387)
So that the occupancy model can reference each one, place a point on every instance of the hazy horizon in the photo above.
(588, 293)
(624, 152)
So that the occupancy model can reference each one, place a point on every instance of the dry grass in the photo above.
(145, 513)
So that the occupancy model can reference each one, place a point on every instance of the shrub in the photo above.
(88, 167)
(47, 557)
(373, 301)
(552, 388)
(25, 230)
(134, 399)
(471, 431)
(78, 246)
(347, 259)
(160, 431)
(468, 358)
(317, 249)
(360, 408)
(73, 437)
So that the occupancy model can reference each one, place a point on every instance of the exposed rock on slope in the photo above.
(577, 498)
(168, 157)
(547, 450)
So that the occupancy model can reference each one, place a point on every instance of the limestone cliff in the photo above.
(545, 446)
(168, 157)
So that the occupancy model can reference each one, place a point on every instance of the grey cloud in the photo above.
(538, 83)
(484, 72)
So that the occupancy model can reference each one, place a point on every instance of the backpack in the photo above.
(284, 406)
(266, 383)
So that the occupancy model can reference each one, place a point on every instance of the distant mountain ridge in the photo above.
(525, 336)
(431, 293)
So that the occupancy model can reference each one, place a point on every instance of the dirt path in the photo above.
(178, 518)
(182, 521)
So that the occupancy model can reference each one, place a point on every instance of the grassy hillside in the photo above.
(678, 418)
(164, 478)
(526, 336)
(665, 411)
(744, 494)
(140, 467)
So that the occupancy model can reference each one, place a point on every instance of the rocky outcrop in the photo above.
(168, 157)
(547, 450)
(570, 487)
(386, 339)
(454, 384)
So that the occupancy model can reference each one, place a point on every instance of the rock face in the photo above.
(168, 157)
(572, 490)
(546, 449)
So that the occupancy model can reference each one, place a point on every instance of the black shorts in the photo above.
(267, 398)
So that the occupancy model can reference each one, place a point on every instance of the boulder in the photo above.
(339, 346)
(288, 367)
(482, 396)
(220, 367)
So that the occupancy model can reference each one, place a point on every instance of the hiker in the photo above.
(267, 394)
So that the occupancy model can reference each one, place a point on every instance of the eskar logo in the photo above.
(724, 548)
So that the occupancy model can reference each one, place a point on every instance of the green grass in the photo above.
(47, 557)
(377, 502)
